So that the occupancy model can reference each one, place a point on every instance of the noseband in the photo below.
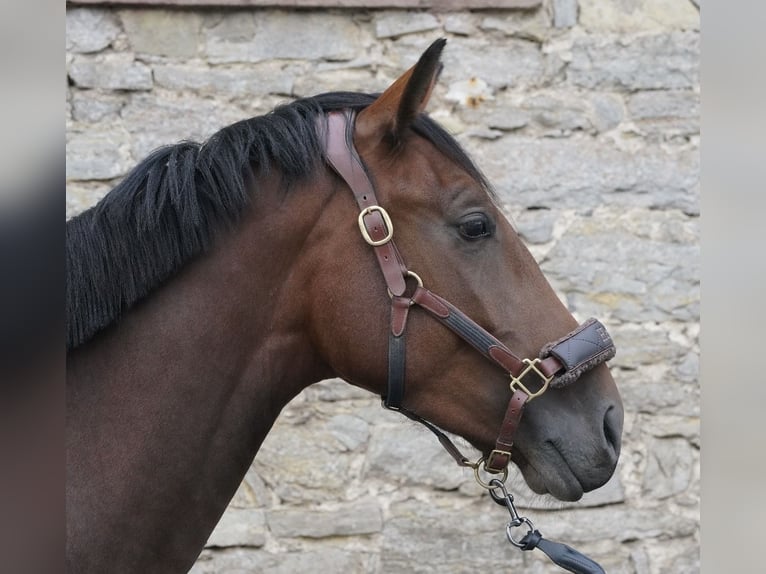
(558, 364)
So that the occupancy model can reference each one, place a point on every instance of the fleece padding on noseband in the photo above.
(584, 348)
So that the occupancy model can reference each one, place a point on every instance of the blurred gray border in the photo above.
(733, 285)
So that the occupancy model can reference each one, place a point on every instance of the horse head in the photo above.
(451, 235)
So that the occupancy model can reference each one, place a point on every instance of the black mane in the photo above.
(172, 205)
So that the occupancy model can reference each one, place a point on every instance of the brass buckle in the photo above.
(490, 459)
(531, 366)
(386, 219)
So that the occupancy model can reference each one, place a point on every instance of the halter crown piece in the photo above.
(559, 363)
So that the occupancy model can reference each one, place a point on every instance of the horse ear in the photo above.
(396, 108)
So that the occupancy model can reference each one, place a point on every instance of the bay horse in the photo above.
(217, 281)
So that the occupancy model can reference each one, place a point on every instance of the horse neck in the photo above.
(167, 409)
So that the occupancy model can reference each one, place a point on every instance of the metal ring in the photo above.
(515, 524)
(477, 467)
(412, 274)
(386, 219)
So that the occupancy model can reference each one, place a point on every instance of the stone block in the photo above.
(557, 114)
(252, 492)
(351, 431)
(582, 173)
(333, 390)
(154, 121)
(265, 35)
(349, 519)
(664, 104)
(687, 369)
(297, 477)
(223, 81)
(668, 467)
(513, 63)
(461, 24)
(683, 560)
(564, 13)
(656, 391)
(163, 32)
(496, 115)
(326, 559)
(535, 226)
(528, 25)
(607, 111)
(392, 451)
(230, 561)
(399, 23)
(239, 527)
(97, 154)
(638, 15)
(352, 79)
(608, 270)
(118, 71)
(80, 195)
(288, 561)
(674, 426)
(90, 29)
(438, 535)
(614, 523)
(229, 37)
(666, 113)
(94, 106)
(647, 62)
(643, 345)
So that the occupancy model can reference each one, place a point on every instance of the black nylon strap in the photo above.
(470, 332)
(397, 352)
(463, 326)
(565, 556)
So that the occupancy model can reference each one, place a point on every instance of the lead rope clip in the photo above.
(564, 556)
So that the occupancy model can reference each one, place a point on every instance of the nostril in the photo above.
(613, 428)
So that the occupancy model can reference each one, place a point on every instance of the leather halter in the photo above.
(559, 363)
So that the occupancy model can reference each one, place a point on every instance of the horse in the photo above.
(216, 281)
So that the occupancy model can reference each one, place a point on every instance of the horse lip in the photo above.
(560, 481)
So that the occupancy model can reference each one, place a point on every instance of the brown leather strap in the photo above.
(343, 158)
(478, 337)
(400, 308)
(499, 458)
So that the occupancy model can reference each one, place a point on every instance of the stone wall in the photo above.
(585, 115)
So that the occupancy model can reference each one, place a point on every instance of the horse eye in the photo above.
(475, 226)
